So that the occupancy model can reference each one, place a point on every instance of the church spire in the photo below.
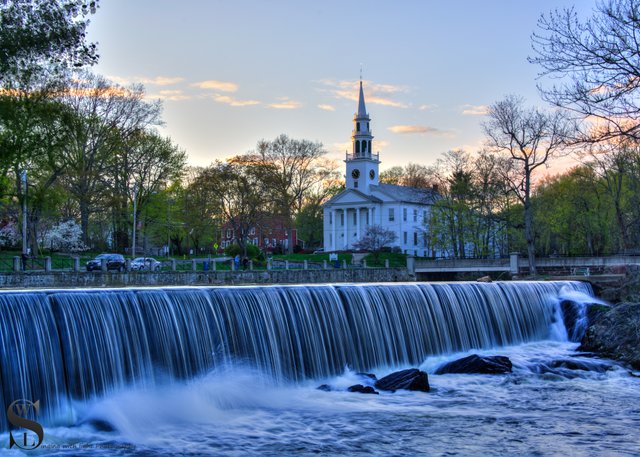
(362, 163)
(362, 110)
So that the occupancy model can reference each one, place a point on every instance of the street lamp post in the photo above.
(25, 250)
(135, 211)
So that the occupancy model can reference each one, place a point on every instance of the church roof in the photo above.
(364, 196)
(407, 194)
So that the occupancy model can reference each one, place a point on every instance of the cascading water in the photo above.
(60, 346)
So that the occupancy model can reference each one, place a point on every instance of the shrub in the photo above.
(234, 249)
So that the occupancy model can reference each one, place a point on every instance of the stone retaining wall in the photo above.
(188, 278)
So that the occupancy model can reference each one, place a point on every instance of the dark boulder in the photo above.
(411, 379)
(496, 364)
(616, 334)
(325, 387)
(362, 389)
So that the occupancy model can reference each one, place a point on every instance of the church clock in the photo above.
(372, 174)
(355, 173)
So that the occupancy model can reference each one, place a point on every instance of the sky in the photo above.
(231, 73)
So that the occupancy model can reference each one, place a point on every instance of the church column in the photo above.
(346, 224)
(357, 224)
(369, 216)
(334, 231)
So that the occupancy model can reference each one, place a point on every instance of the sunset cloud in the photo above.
(475, 110)
(223, 86)
(285, 103)
(417, 129)
(148, 81)
(379, 94)
(174, 95)
(233, 101)
(327, 107)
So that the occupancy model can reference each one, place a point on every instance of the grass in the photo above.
(395, 260)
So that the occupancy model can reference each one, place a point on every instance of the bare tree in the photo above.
(530, 138)
(597, 62)
(375, 239)
(290, 169)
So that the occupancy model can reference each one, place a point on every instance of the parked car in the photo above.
(114, 262)
(319, 251)
(145, 263)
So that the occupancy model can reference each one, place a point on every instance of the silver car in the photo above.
(146, 264)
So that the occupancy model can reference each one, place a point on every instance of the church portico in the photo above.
(348, 225)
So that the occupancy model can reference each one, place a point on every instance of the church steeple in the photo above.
(362, 163)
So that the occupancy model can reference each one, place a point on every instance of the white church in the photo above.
(366, 202)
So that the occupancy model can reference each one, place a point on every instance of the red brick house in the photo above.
(269, 233)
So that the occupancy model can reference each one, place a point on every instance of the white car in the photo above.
(146, 264)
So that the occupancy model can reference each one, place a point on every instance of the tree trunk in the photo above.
(529, 236)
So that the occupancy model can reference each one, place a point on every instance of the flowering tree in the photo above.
(9, 235)
(64, 236)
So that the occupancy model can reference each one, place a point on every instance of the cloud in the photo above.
(379, 94)
(173, 95)
(285, 103)
(327, 107)
(427, 107)
(149, 81)
(233, 101)
(223, 86)
(417, 129)
(475, 110)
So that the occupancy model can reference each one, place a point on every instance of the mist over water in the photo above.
(240, 369)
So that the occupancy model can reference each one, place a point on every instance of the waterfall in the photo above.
(64, 345)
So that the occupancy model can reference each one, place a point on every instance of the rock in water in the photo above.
(362, 389)
(616, 334)
(411, 379)
(484, 279)
(496, 364)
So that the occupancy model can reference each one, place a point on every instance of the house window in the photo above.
(415, 215)
(392, 216)
(273, 241)
(229, 233)
(415, 238)
(404, 214)
(252, 231)
(405, 237)
(266, 241)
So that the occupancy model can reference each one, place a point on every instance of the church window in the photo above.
(404, 215)
(342, 218)
(415, 238)
(355, 184)
(364, 146)
(415, 215)
(370, 146)
(330, 217)
(357, 147)
(404, 237)
(357, 126)
(355, 218)
(392, 216)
